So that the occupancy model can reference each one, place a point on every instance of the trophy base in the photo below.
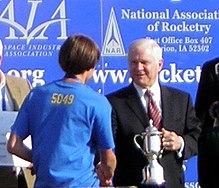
(146, 184)
(151, 186)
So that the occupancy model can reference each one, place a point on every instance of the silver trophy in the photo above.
(152, 148)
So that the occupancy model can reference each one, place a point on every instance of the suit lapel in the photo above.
(167, 111)
(134, 103)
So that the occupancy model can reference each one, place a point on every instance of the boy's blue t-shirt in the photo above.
(68, 122)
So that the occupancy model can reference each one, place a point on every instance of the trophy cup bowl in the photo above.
(152, 148)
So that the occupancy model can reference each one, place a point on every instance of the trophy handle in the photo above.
(160, 155)
(137, 144)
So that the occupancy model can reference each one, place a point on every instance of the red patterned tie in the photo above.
(153, 111)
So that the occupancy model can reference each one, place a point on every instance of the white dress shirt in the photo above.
(5, 99)
(156, 96)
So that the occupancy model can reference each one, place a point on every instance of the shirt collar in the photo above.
(155, 90)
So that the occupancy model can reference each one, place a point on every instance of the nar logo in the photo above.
(113, 45)
(32, 30)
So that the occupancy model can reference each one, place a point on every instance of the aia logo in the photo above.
(28, 32)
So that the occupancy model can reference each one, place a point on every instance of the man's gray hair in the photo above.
(149, 45)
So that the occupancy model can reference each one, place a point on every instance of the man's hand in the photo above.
(104, 180)
(170, 140)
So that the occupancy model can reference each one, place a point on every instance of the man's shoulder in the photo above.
(211, 63)
(174, 91)
(15, 78)
(13, 82)
(124, 91)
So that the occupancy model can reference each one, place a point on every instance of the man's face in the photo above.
(143, 67)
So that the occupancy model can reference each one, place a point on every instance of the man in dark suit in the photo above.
(208, 91)
(207, 94)
(13, 90)
(180, 127)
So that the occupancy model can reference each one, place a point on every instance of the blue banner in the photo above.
(33, 31)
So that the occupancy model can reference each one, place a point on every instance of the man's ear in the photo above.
(160, 64)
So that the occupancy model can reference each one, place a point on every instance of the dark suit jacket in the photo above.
(208, 92)
(129, 118)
